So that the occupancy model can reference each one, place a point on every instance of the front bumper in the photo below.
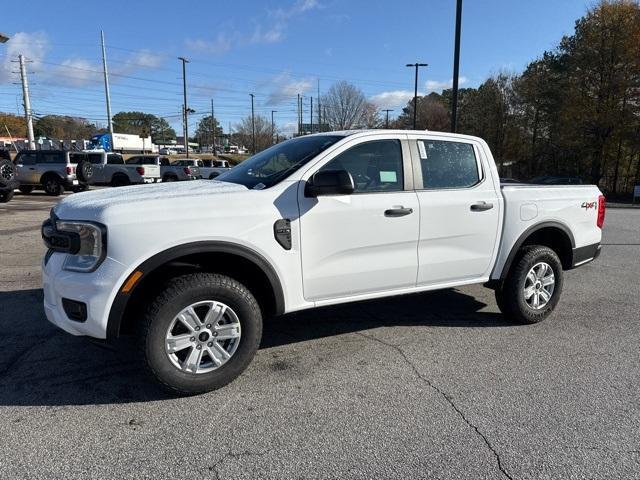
(95, 289)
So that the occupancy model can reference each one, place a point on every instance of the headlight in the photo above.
(89, 245)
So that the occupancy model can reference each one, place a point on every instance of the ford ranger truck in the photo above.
(316, 220)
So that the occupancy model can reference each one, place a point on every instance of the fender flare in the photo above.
(147, 267)
(526, 234)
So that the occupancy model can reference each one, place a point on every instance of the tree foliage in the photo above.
(137, 123)
(345, 107)
(244, 133)
(17, 125)
(63, 127)
(573, 111)
(205, 130)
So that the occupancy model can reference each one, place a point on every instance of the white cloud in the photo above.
(285, 88)
(439, 85)
(77, 72)
(395, 98)
(221, 44)
(33, 46)
(272, 30)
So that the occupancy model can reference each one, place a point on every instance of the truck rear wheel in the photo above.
(53, 186)
(533, 286)
(200, 333)
(26, 189)
(120, 180)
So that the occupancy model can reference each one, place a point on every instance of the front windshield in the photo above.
(272, 165)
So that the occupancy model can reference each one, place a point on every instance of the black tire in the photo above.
(177, 294)
(53, 186)
(7, 172)
(80, 188)
(26, 189)
(6, 196)
(84, 171)
(120, 180)
(213, 175)
(513, 300)
(170, 178)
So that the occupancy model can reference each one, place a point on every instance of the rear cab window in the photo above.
(114, 159)
(448, 164)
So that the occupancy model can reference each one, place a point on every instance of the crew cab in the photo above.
(111, 169)
(206, 168)
(317, 220)
(169, 172)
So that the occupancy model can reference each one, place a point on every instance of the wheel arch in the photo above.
(51, 173)
(554, 235)
(237, 261)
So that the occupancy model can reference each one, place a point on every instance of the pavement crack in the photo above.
(447, 398)
(234, 456)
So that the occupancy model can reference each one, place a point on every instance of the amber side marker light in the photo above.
(131, 281)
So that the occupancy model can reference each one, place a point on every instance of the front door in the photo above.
(26, 169)
(363, 242)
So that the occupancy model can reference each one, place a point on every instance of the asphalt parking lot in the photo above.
(437, 385)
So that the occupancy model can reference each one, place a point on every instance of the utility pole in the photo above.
(185, 127)
(319, 109)
(213, 129)
(386, 121)
(253, 126)
(415, 92)
(456, 69)
(106, 85)
(298, 112)
(26, 102)
(311, 116)
(273, 130)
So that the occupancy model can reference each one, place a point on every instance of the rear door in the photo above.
(460, 210)
(364, 242)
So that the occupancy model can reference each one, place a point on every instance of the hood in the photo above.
(138, 198)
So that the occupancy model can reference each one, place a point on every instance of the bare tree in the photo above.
(346, 107)
(263, 132)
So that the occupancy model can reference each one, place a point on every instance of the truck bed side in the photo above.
(572, 209)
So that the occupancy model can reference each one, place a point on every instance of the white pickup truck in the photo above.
(317, 220)
(111, 169)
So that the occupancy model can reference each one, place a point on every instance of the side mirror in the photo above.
(329, 182)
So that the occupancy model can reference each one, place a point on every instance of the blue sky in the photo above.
(274, 49)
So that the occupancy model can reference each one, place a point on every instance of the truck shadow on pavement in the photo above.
(41, 365)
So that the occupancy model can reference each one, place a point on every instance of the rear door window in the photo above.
(95, 158)
(114, 159)
(135, 161)
(447, 164)
(51, 157)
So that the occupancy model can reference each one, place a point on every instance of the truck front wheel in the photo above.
(200, 333)
(533, 286)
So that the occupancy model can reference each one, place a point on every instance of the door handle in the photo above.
(398, 212)
(31, 168)
(481, 206)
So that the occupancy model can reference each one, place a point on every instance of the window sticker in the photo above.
(423, 151)
(389, 177)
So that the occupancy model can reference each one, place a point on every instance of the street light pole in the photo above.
(386, 121)
(456, 69)
(185, 128)
(273, 131)
(27, 102)
(415, 92)
(253, 126)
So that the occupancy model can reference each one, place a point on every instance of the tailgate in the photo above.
(151, 171)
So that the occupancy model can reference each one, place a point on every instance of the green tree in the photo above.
(206, 128)
(63, 127)
(136, 123)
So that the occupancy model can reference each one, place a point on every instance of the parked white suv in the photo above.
(317, 220)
